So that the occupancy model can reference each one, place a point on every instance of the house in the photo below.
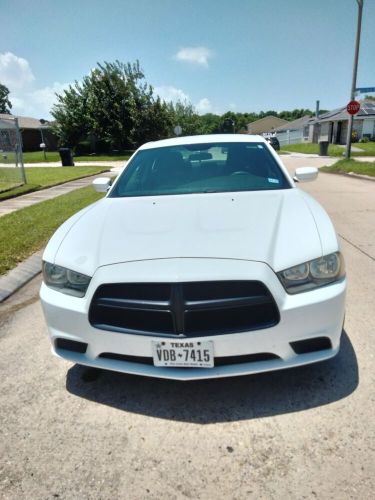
(34, 132)
(296, 131)
(333, 126)
(265, 125)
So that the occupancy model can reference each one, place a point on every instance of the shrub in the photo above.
(82, 148)
(355, 136)
(364, 139)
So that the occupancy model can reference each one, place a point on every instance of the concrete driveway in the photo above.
(304, 433)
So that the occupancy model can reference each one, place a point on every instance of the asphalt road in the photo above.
(303, 433)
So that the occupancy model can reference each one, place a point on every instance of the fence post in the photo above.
(19, 151)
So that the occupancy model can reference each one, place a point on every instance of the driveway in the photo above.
(304, 433)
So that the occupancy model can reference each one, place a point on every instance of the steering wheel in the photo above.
(240, 172)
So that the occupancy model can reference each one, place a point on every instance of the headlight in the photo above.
(64, 280)
(313, 274)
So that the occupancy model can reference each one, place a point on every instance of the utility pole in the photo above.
(19, 151)
(354, 79)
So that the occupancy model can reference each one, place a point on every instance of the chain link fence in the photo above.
(12, 172)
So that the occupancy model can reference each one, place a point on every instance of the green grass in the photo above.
(346, 166)
(41, 178)
(7, 192)
(27, 230)
(103, 157)
(311, 148)
(368, 149)
(38, 157)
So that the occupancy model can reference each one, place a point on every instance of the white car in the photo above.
(203, 260)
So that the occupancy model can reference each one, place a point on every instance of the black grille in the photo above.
(183, 309)
(218, 361)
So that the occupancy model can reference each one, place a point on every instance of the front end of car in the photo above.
(203, 261)
(194, 318)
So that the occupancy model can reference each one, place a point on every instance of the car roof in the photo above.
(203, 139)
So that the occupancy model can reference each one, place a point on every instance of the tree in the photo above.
(209, 123)
(112, 108)
(5, 104)
(369, 97)
(183, 114)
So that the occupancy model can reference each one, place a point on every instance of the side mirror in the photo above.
(305, 174)
(101, 184)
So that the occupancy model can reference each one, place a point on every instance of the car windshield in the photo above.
(201, 168)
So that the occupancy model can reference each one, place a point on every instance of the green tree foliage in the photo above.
(112, 108)
(183, 114)
(5, 104)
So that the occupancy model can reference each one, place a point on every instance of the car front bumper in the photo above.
(310, 315)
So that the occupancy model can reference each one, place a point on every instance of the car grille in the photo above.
(183, 309)
(218, 361)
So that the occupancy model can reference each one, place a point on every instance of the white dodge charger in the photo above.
(203, 260)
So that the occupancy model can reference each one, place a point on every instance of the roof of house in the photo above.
(367, 109)
(296, 124)
(266, 124)
(27, 122)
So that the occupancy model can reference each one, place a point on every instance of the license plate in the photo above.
(180, 353)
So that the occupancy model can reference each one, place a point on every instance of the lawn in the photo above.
(368, 149)
(346, 166)
(311, 148)
(38, 157)
(27, 230)
(41, 178)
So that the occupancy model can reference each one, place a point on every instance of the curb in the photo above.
(20, 275)
(351, 175)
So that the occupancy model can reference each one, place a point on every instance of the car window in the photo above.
(201, 168)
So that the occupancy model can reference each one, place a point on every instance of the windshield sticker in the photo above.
(274, 181)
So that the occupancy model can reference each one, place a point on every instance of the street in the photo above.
(70, 432)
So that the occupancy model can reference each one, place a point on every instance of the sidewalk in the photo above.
(116, 164)
(331, 158)
(26, 200)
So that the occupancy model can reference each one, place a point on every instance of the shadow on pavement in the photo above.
(222, 400)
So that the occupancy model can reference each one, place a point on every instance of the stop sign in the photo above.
(353, 107)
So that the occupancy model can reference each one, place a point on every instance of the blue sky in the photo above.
(243, 55)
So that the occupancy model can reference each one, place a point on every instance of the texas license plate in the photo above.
(179, 353)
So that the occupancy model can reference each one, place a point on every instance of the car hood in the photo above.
(275, 227)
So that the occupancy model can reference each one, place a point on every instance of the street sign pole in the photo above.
(354, 79)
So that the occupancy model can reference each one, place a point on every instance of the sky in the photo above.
(238, 55)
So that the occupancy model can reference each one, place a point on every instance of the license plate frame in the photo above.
(183, 353)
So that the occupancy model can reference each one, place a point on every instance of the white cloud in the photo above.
(26, 98)
(203, 106)
(37, 103)
(168, 93)
(194, 55)
(15, 72)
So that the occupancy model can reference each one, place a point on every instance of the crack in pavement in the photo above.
(357, 247)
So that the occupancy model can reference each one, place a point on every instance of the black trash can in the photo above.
(66, 156)
(323, 148)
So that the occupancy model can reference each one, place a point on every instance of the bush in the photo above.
(82, 148)
(364, 139)
(355, 136)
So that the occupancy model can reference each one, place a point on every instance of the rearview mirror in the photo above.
(101, 184)
(305, 174)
